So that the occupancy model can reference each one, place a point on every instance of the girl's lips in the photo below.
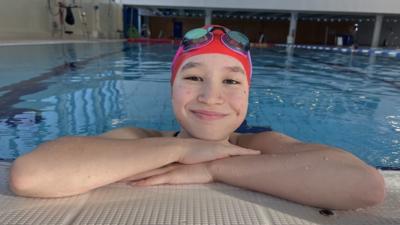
(208, 115)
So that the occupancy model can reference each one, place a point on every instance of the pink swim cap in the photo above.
(216, 45)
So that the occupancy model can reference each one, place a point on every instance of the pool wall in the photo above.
(39, 19)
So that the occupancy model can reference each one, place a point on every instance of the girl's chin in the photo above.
(207, 136)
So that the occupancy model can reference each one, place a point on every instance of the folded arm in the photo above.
(74, 165)
(310, 174)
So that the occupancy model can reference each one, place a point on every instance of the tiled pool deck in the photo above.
(209, 204)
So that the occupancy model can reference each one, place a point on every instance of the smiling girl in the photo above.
(211, 75)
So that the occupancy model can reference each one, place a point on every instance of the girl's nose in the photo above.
(211, 94)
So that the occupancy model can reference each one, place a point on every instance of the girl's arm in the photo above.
(73, 165)
(310, 174)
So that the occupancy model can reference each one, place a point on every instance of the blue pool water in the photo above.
(48, 91)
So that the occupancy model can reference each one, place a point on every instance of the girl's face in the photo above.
(210, 96)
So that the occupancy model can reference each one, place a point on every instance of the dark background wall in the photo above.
(274, 31)
(308, 32)
(313, 32)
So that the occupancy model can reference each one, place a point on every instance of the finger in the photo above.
(151, 173)
(143, 175)
(244, 151)
(155, 180)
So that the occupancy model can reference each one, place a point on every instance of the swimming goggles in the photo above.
(200, 37)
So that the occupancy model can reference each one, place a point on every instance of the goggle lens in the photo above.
(199, 37)
(195, 38)
(237, 40)
(195, 33)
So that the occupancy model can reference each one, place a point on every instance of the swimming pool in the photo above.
(48, 91)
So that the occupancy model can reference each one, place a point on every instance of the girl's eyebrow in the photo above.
(190, 65)
(234, 69)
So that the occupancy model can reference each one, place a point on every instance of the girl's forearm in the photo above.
(326, 178)
(75, 165)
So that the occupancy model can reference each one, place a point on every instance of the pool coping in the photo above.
(214, 203)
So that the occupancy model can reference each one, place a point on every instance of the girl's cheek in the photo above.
(184, 90)
(238, 99)
(181, 93)
(238, 94)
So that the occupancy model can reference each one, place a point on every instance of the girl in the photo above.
(211, 75)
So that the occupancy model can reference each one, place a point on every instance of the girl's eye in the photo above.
(226, 81)
(230, 81)
(194, 78)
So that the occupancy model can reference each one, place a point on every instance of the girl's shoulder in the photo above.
(267, 141)
(135, 133)
(131, 133)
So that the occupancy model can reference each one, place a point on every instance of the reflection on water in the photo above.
(79, 112)
(83, 96)
(346, 101)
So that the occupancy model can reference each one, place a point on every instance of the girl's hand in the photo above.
(197, 151)
(151, 173)
(173, 174)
